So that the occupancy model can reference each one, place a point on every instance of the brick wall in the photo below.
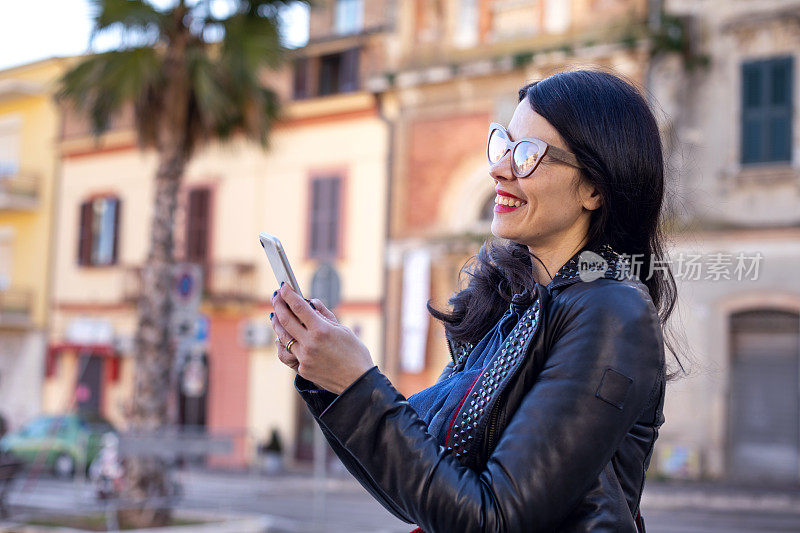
(436, 147)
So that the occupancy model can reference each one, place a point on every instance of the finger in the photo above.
(291, 325)
(324, 311)
(288, 358)
(281, 335)
(299, 306)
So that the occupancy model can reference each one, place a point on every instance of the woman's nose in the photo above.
(502, 169)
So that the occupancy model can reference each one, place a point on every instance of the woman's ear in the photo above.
(590, 197)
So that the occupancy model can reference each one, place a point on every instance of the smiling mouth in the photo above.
(508, 201)
(506, 204)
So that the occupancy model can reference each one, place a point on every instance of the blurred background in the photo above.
(375, 179)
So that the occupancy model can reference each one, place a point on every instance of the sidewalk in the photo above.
(719, 496)
(658, 495)
(294, 501)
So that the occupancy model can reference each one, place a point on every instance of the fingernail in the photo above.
(314, 307)
(271, 315)
(282, 282)
(274, 293)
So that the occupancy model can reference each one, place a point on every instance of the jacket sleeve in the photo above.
(318, 399)
(601, 373)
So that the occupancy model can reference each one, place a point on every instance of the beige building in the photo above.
(722, 79)
(320, 187)
(731, 121)
(28, 183)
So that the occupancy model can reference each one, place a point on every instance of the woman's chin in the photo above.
(499, 231)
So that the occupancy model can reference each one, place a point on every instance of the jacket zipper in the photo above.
(493, 420)
(450, 349)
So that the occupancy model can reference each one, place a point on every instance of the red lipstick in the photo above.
(500, 208)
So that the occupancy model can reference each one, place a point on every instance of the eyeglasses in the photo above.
(525, 153)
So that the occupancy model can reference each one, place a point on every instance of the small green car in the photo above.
(60, 443)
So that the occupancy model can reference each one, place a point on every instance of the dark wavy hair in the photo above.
(609, 126)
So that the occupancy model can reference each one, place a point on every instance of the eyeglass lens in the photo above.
(525, 155)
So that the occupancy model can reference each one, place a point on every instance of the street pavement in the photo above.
(296, 502)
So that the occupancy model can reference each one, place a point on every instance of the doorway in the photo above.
(764, 402)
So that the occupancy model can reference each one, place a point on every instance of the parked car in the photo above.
(60, 443)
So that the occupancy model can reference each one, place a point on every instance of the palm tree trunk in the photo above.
(154, 352)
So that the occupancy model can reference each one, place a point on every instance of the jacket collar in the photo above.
(589, 264)
(586, 265)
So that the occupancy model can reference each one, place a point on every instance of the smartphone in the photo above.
(278, 260)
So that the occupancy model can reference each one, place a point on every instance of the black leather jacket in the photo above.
(556, 435)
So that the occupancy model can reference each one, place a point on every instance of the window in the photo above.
(197, 224)
(349, 16)
(338, 72)
(766, 111)
(99, 231)
(324, 226)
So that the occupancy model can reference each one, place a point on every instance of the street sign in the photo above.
(187, 286)
(201, 328)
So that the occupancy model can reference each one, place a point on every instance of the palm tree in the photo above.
(192, 75)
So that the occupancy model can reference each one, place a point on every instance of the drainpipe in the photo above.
(654, 11)
(390, 127)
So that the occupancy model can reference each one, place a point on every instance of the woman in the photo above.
(546, 417)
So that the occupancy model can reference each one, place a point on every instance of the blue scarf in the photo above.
(439, 403)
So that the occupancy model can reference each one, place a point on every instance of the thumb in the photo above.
(324, 311)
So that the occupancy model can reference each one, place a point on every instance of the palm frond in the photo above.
(131, 15)
(101, 84)
(221, 82)
(252, 42)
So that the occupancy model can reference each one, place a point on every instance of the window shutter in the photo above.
(85, 233)
(766, 111)
(300, 85)
(780, 103)
(348, 78)
(333, 216)
(329, 74)
(316, 230)
(197, 226)
(115, 247)
(324, 224)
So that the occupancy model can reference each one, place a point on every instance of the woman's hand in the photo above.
(324, 351)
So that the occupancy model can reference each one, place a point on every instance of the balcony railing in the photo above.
(223, 282)
(18, 192)
(230, 282)
(15, 308)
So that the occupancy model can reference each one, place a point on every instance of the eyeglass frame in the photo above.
(546, 149)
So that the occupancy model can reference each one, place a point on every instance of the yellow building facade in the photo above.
(247, 190)
(29, 124)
